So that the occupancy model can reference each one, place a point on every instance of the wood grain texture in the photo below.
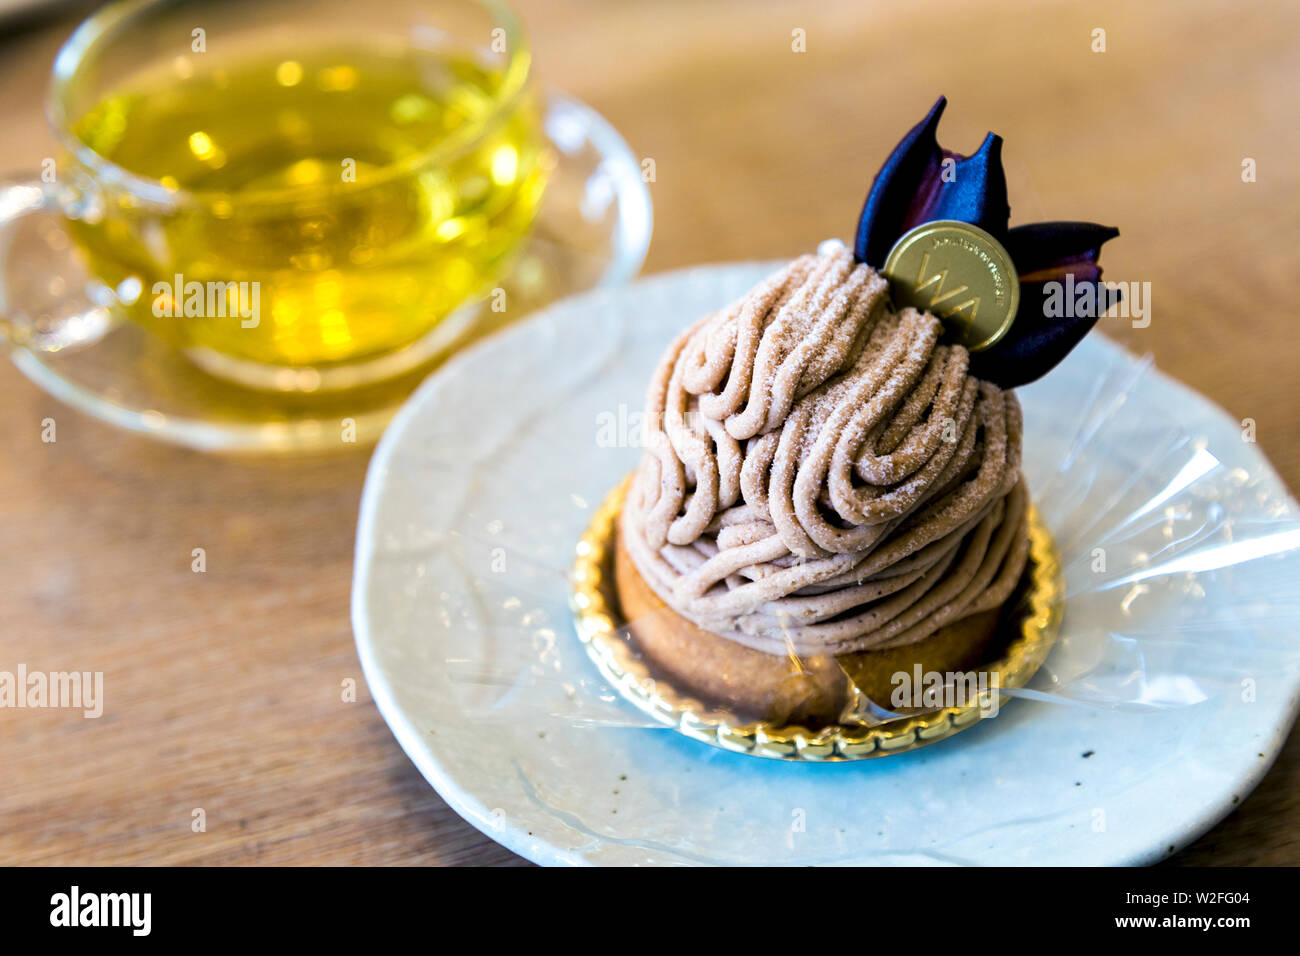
(223, 687)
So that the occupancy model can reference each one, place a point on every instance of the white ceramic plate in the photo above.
(486, 478)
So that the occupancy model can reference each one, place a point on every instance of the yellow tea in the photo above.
(330, 207)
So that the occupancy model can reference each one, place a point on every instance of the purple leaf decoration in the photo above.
(1064, 253)
(910, 189)
(1058, 247)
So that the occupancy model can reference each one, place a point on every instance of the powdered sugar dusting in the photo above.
(824, 476)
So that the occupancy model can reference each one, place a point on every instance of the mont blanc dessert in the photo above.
(831, 490)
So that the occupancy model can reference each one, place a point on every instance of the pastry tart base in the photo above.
(813, 710)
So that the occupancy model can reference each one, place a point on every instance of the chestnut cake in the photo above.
(827, 481)
(831, 491)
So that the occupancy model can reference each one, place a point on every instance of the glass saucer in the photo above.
(593, 229)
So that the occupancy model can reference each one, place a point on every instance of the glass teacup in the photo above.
(300, 196)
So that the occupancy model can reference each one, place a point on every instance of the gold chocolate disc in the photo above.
(961, 275)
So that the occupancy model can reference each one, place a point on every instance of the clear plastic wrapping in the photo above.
(1172, 545)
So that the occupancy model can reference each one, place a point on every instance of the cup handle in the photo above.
(48, 301)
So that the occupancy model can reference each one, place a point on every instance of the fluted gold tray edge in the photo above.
(597, 621)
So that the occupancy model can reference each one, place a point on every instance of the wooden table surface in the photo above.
(223, 688)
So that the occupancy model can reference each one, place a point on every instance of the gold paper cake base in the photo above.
(600, 626)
